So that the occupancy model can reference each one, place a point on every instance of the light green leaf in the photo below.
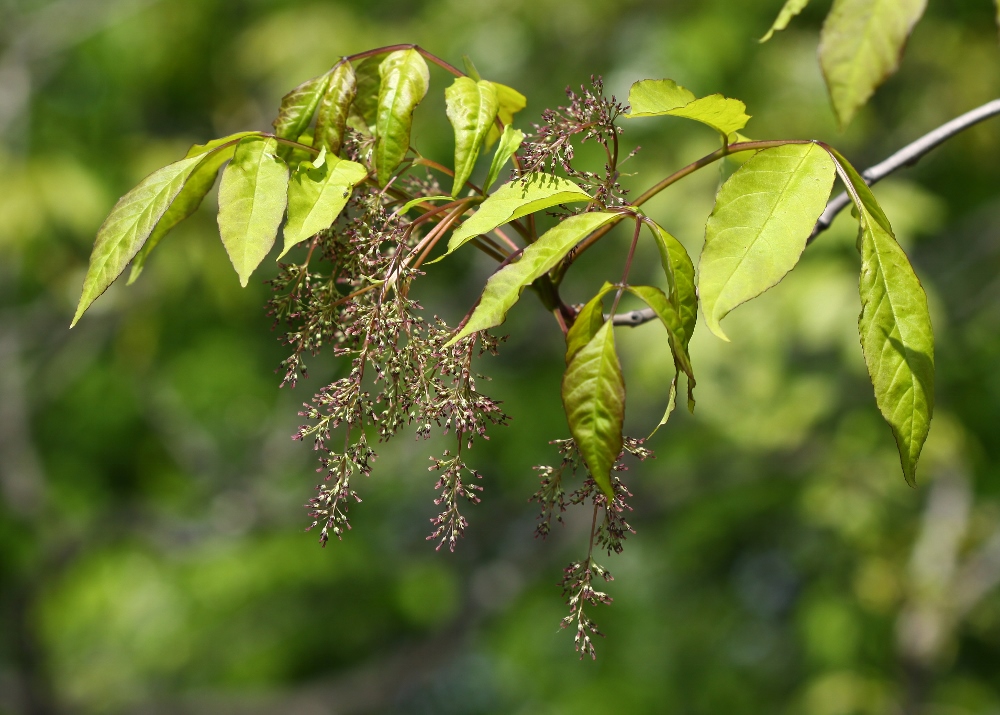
(790, 9)
(368, 80)
(588, 321)
(252, 197)
(860, 46)
(129, 224)
(417, 201)
(679, 270)
(504, 287)
(511, 102)
(510, 140)
(471, 107)
(297, 109)
(671, 405)
(512, 201)
(664, 97)
(334, 108)
(470, 68)
(317, 195)
(758, 229)
(404, 83)
(593, 394)
(668, 315)
(189, 199)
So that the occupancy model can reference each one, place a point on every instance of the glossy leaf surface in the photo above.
(334, 109)
(790, 9)
(762, 218)
(298, 106)
(510, 140)
(671, 320)
(679, 270)
(367, 81)
(404, 82)
(505, 286)
(511, 102)
(860, 46)
(664, 97)
(252, 197)
(593, 394)
(317, 195)
(514, 200)
(588, 321)
(471, 107)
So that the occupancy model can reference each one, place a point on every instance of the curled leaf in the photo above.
(404, 82)
(510, 140)
(471, 107)
(334, 108)
(790, 9)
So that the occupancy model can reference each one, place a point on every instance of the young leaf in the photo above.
(511, 102)
(659, 97)
(593, 394)
(512, 201)
(668, 315)
(470, 68)
(404, 83)
(860, 46)
(334, 108)
(790, 9)
(417, 201)
(129, 224)
(588, 321)
(367, 78)
(510, 140)
(895, 326)
(297, 108)
(252, 196)
(758, 229)
(317, 195)
(471, 107)
(504, 287)
(189, 199)
(671, 405)
(679, 270)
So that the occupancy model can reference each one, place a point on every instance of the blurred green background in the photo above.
(152, 554)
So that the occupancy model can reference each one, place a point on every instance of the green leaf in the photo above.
(758, 229)
(679, 270)
(860, 46)
(404, 83)
(512, 201)
(511, 102)
(671, 405)
(664, 97)
(471, 107)
(588, 321)
(252, 197)
(470, 68)
(504, 287)
(334, 108)
(297, 108)
(317, 195)
(671, 319)
(790, 9)
(368, 80)
(417, 201)
(189, 199)
(510, 140)
(129, 224)
(593, 394)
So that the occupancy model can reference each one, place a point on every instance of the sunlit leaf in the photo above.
(758, 229)
(671, 319)
(593, 394)
(470, 68)
(129, 224)
(252, 197)
(588, 321)
(297, 109)
(510, 140)
(790, 9)
(417, 201)
(514, 200)
(471, 107)
(505, 286)
(895, 326)
(334, 108)
(367, 79)
(404, 83)
(679, 270)
(671, 404)
(511, 102)
(199, 183)
(664, 97)
(317, 195)
(860, 46)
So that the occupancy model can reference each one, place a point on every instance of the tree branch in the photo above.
(907, 156)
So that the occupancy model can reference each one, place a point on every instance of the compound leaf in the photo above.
(512, 201)
(334, 108)
(860, 46)
(790, 9)
(471, 107)
(317, 194)
(511, 102)
(504, 287)
(593, 394)
(758, 229)
(510, 140)
(404, 82)
(129, 224)
(588, 321)
(664, 97)
(252, 198)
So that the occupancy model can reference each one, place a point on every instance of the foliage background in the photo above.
(152, 558)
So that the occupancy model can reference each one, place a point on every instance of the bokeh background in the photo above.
(152, 553)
